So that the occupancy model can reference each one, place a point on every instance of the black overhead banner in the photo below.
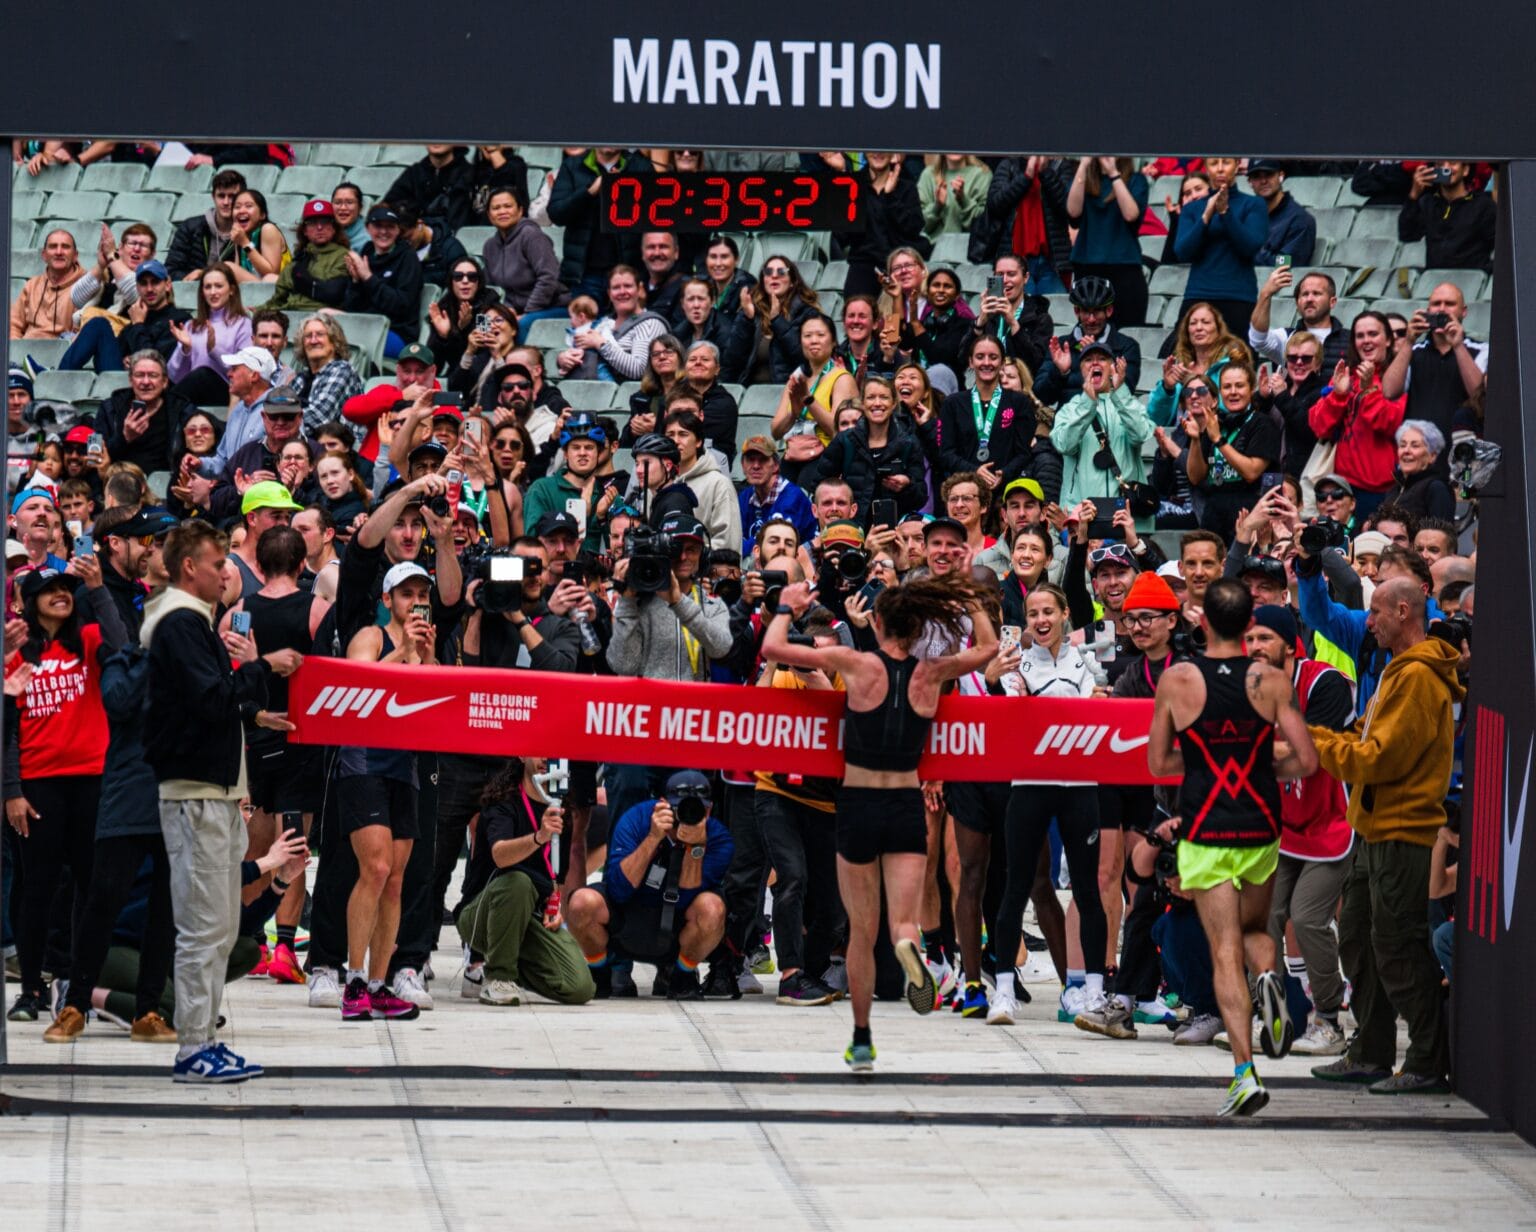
(1312, 77)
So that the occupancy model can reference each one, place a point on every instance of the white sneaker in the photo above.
(1201, 1029)
(324, 989)
(409, 986)
(748, 984)
(427, 973)
(1001, 1007)
(1320, 1039)
(1037, 969)
(835, 976)
(500, 992)
(1073, 998)
(474, 976)
(944, 975)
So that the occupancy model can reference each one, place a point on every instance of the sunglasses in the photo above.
(1333, 494)
(1299, 359)
(508, 446)
(1117, 552)
(1197, 391)
(466, 276)
(513, 386)
(775, 271)
(72, 449)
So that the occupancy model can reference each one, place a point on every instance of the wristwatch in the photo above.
(697, 852)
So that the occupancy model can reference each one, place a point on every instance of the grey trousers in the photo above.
(204, 840)
(1307, 893)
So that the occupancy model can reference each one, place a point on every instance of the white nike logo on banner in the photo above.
(1510, 862)
(1125, 746)
(396, 710)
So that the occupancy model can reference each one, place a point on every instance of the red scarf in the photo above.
(1029, 223)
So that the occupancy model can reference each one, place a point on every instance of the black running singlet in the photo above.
(280, 624)
(1230, 796)
(892, 735)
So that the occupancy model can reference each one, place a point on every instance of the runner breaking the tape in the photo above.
(892, 697)
(1215, 722)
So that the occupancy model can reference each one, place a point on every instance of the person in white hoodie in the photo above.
(1050, 667)
(718, 507)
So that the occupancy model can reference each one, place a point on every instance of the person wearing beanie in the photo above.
(1315, 838)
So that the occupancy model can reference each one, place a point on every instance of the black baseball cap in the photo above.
(151, 520)
(34, 581)
(426, 448)
(944, 524)
(1098, 344)
(557, 522)
(683, 526)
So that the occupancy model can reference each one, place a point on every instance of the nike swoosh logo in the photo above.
(1125, 746)
(397, 711)
(1509, 865)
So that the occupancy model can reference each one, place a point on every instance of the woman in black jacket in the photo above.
(1291, 393)
(1421, 486)
(1029, 559)
(704, 321)
(453, 316)
(942, 331)
(775, 307)
(875, 457)
(987, 429)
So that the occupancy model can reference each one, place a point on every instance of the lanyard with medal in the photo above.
(984, 424)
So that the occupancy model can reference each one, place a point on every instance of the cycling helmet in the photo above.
(1091, 291)
(658, 446)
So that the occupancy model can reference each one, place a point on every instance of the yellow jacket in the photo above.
(1396, 760)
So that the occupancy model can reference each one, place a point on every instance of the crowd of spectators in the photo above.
(256, 487)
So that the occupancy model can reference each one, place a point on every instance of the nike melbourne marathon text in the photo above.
(496, 710)
(793, 74)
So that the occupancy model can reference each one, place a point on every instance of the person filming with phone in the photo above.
(1100, 433)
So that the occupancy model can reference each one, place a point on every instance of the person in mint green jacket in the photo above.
(1106, 404)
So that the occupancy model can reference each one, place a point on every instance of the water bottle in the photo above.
(591, 644)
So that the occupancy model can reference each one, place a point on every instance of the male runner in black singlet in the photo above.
(1215, 722)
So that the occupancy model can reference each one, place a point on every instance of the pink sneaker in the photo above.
(356, 1005)
(263, 964)
(284, 967)
(387, 1005)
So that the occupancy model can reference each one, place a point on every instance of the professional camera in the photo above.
(500, 575)
(689, 794)
(649, 553)
(844, 567)
(1166, 864)
(1321, 533)
(1456, 630)
(1473, 463)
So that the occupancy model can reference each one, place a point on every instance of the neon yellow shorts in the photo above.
(1202, 867)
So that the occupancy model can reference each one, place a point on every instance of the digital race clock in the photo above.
(732, 201)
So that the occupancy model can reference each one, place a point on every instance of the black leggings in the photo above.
(63, 834)
(1076, 810)
(118, 863)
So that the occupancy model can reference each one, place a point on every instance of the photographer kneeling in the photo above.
(512, 914)
(660, 899)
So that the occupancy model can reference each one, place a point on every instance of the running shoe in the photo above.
(722, 981)
(684, 986)
(803, 989)
(1154, 1013)
(1103, 1015)
(1279, 1032)
(263, 963)
(835, 976)
(474, 976)
(324, 988)
(922, 992)
(26, 1008)
(284, 967)
(356, 1004)
(944, 975)
(1199, 1029)
(1001, 1007)
(749, 985)
(1037, 969)
(1223, 1042)
(385, 1004)
(409, 986)
(207, 1065)
(1405, 1083)
(1321, 1039)
(1355, 1072)
(760, 960)
(860, 1058)
(500, 992)
(973, 1004)
(1073, 998)
(1245, 1096)
(69, 1023)
(236, 1061)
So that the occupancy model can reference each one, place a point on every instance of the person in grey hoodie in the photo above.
(717, 504)
(520, 258)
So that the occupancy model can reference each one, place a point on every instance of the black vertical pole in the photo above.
(1493, 1030)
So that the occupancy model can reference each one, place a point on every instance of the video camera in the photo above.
(1166, 865)
(1472, 464)
(650, 553)
(500, 575)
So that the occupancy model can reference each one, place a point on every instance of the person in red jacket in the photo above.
(1359, 417)
(415, 371)
(56, 746)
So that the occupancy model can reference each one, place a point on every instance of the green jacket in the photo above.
(1126, 425)
(326, 265)
(548, 495)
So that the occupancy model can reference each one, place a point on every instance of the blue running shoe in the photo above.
(975, 1003)
(207, 1065)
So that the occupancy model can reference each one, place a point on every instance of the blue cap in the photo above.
(152, 269)
(27, 494)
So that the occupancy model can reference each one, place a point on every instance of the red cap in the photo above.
(448, 412)
(318, 208)
(80, 434)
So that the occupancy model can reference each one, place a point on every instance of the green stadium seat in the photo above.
(366, 334)
(1157, 305)
(1152, 246)
(811, 271)
(759, 400)
(1470, 281)
(343, 154)
(87, 232)
(1334, 223)
(26, 205)
(831, 303)
(254, 294)
(1479, 318)
(311, 181)
(400, 155)
(26, 262)
(46, 351)
(1061, 310)
(374, 181)
(57, 177)
(142, 206)
(260, 176)
(62, 386)
(1413, 254)
(284, 210)
(626, 391)
(181, 180)
(548, 332)
(1316, 192)
(473, 238)
(89, 206)
(973, 278)
(1149, 338)
(1363, 251)
(113, 177)
(545, 157)
(108, 383)
(589, 395)
(1373, 222)
(1170, 280)
(951, 248)
(831, 276)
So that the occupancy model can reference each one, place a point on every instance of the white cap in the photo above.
(1170, 570)
(404, 572)
(258, 359)
(1372, 543)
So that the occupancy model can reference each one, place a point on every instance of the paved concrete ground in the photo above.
(628, 1114)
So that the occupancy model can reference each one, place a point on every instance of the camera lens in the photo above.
(439, 506)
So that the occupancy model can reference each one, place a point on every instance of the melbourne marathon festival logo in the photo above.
(793, 73)
(1498, 825)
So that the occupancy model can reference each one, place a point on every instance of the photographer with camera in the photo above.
(1441, 369)
(1398, 760)
(511, 911)
(665, 627)
(660, 898)
(1454, 220)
